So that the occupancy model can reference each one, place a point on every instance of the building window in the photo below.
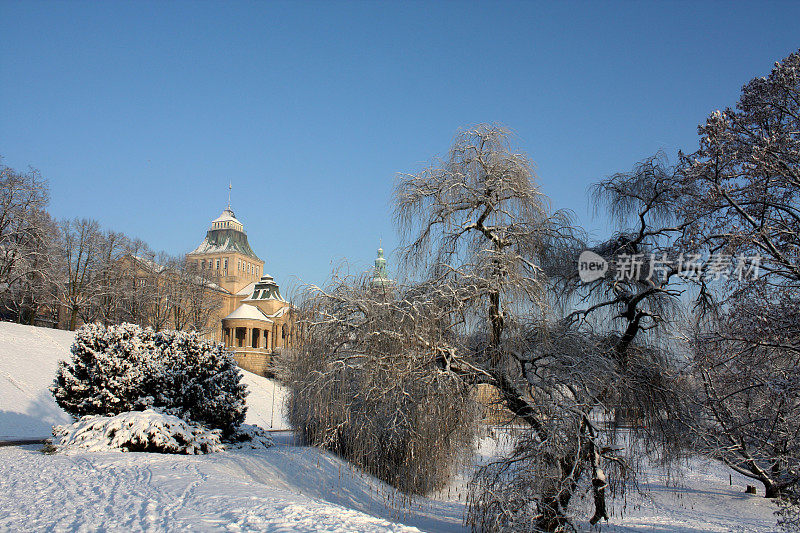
(217, 268)
(204, 264)
(225, 264)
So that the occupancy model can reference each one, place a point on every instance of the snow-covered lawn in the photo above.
(283, 488)
(702, 500)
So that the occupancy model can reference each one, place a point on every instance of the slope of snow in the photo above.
(28, 361)
(284, 488)
(265, 401)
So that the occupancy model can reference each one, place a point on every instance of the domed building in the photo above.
(255, 321)
(226, 255)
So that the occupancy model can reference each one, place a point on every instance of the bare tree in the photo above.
(32, 294)
(195, 299)
(80, 247)
(110, 279)
(160, 289)
(135, 274)
(741, 198)
(745, 178)
(27, 269)
(749, 407)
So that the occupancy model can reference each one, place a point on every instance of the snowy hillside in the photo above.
(28, 360)
(283, 488)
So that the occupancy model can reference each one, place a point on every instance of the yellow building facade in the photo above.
(255, 321)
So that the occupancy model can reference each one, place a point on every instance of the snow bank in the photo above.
(283, 488)
(145, 431)
(28, 361)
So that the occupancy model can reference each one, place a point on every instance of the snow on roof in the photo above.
(248, 312)
(152, 265)
(225, 241)
(265, 289)
(247, 291)
(225, 216)
(280, 312)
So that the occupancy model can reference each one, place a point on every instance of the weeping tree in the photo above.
(575, 355)
(561, 354)
(371, 381)
(386, 379)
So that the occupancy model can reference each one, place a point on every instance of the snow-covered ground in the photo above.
(702, 500)
(284, 488)
(699, 496)
(28, 360)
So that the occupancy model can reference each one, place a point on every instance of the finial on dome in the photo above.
(230, 186)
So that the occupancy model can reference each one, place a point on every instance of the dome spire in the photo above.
(230, 186)
(381, 278)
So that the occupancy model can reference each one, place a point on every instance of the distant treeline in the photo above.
(62, 273)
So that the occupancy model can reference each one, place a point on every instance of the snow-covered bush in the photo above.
(250, 437)
(200, 381)
(115, 369)
(137, 431)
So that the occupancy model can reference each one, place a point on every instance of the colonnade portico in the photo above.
(248, 336)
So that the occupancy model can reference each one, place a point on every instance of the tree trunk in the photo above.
(771, 490)
(496, 321)
(73, 319)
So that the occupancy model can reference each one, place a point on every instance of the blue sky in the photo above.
(140, 113)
